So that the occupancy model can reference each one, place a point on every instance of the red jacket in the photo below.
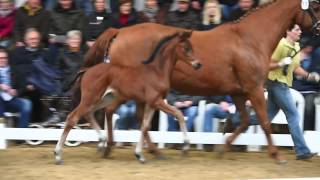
(6, 25)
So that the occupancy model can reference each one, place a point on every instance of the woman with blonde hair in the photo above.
(211, 15)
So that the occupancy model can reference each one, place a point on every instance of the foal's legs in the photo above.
(148, 113)
(152, 147)
(259, 105)
(177, 114)
(71, 121)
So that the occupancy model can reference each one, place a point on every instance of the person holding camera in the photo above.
(285, 62)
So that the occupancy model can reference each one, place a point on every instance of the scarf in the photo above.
(5, 12)
(31, 12)
(151, 13)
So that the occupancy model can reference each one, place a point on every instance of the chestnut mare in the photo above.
(235, 56)
(146, 84)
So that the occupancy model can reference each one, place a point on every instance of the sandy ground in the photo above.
(82, 162)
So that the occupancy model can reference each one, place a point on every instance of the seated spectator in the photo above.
(70, 60)
(243, 7)
(184, 17)
(7, 15)
(185, 103)
(98, 21)
(9, 100)
(126, 16)
(64, 18)
(127, 119)
(31, 15)
(310, 90)
(216, 107)
(150, 13)
(21, 62)
(212, 16)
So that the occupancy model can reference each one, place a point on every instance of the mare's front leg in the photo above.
(148, 114)
(177, 114)
(259, 105)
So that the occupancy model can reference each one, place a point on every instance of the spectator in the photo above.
(183, 17)
(126, 16)
(98, 22)
(22, 67)
(9, 102)
(31, 15)
(7, 15)
(243, 7)
(196, 6)
(70, 59)
(212, 16)
(185, 103)
(64, 18)
(151, 13)
(309, 62)
(127, 119)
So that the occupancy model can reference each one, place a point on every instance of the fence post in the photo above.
(3, 142)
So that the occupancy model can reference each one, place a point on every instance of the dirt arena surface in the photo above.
(82, 162)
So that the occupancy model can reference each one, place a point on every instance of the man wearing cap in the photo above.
(183, 17)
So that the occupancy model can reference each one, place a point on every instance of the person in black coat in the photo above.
(126, 16)
(31, 15)
(98, 22)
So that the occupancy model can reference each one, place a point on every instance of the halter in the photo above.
(315, 19)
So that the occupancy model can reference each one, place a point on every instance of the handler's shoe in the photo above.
(306, 156)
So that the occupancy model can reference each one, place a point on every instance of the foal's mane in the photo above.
(158, 47)
(251, 11)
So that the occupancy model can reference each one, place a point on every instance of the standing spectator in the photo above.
(70, 59)
(126, 16)
(64, 18)
(98, 22)
(212, 16)
(185, 103)
(183, 17)
(21, 62)
(9, 102)
(7, 15)
(31, 15)
(243, 7)
(150, 13)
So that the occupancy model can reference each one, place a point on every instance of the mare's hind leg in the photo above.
(148, 113)
(152, 147)
(259, 105)
(240, 105)
(71, 121)
(177, 114)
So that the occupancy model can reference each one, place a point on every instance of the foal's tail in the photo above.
(99, 49)
(75, 87)
(158, 48)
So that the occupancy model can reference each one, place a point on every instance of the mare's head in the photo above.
(176, 46)
(309, 16)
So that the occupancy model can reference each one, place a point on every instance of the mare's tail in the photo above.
(96, 53)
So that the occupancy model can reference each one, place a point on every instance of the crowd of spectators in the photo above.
(58, 33)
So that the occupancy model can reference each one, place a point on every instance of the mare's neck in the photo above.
(265, 27)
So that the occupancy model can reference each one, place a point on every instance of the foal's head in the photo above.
(184, 50)
(176, 47)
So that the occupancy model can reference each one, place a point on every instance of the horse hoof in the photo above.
(185, 153)
(140, 158)
(59, 162)
(161, 157)
(107, 152)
